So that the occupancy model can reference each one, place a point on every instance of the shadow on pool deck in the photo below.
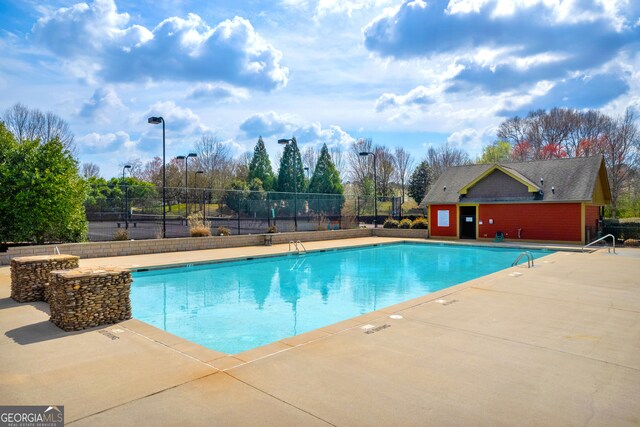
(558, 344)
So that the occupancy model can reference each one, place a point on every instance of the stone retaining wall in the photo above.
(402, 233)
(30, 275)
(138, 247)
(87, 297)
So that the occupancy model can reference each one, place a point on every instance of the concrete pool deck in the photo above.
(558, 344)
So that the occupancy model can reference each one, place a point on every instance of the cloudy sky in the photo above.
(412, 74)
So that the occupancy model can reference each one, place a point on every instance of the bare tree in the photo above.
(152, 172)
(31, 124)
(215, 160)
(586, 127)
(136, 170)
(556, 127)
(360, 167)
(439, 159)
(90, 170)
(339, 160)
(513, 130)
(240, 166)
(309, 158)
(386, 169)
(404, 165)
(621, 150)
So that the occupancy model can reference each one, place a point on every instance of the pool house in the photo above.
(559, 201)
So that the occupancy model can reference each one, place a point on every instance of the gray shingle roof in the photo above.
(573, 179)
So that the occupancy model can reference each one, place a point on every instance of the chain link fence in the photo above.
(139, 211)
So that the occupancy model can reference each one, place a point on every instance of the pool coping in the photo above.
(226, 361)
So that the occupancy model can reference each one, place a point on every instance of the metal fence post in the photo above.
(268, 209)
(238, 214)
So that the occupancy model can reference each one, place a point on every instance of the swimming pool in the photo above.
(238, 305)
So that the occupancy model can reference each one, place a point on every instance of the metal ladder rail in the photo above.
(613, 241)
(304, 250)
(296, 247)
(529, 259)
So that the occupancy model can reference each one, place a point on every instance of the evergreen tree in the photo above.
(260, 167)
(291, 173)
(326, 180)
(420, 181)
(41, 192)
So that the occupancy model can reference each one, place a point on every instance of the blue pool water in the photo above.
(235, 306)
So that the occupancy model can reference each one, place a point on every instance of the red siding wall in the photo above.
(592, 213)
(548, 221)
(452, 229)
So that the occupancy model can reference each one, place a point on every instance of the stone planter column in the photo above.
(87, 297)
(30, 275)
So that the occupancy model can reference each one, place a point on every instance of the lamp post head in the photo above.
(155, 120)
(192, 155)
(284, 141)
(197, 172)
(366, 153)
(180, 157)
(127, 167)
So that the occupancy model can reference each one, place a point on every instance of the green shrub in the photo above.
(390, 223)
(420, 223)
(223, 231)
(405, 223)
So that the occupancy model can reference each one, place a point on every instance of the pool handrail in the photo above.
(613, 241)
(529, 259)
(295, 245)
(303, 248)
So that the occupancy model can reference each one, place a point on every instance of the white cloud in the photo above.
(505, 45)
(218, 93)
(273, 124)
(103, 105)
(176, 49)
(96, 143)
(472, 140)
(323, 8)
(420, 96)
(333, 7)
(180, 121)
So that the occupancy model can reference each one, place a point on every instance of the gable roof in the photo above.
(514, 174)
(573, 179)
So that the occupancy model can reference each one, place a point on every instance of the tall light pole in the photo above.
(286, 141)
(126, 198)
(196, 186)
(186, 181)
(157, 121)
(375, 187)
